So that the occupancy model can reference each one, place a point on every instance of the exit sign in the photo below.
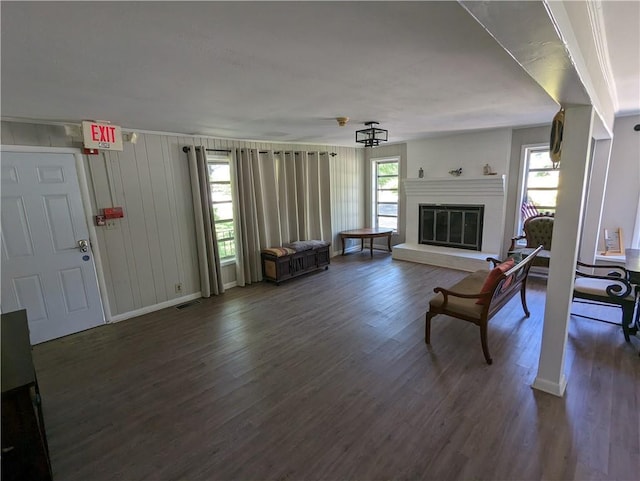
(98, 135)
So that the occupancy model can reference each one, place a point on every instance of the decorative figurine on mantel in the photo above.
(456, 172)
(486, 170)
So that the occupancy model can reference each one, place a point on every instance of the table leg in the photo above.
(389, 242)
(371, 246)
(341, 237)
(361, 243)
(635, 324)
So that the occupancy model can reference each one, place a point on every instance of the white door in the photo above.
(43, 268)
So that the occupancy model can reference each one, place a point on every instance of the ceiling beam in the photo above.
(540, 37)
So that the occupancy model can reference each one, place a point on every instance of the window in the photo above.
(222, 205)
(540, 190)
(385, 188)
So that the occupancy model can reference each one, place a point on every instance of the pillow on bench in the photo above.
(494, 277)
(279, 251)
(301, 246)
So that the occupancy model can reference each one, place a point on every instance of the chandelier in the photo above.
(371, 136)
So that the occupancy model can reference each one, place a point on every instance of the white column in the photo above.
(576, 146)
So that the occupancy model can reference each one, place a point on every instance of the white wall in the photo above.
(471, 151)
(153, 247)
(437, 156)
(623, 183)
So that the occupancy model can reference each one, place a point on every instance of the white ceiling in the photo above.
(278, 71)
(622, 28)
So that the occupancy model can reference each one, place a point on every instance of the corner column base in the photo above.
(557, 389)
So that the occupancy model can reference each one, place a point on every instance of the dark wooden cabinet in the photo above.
(25, 453)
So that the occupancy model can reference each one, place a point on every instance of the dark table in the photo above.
(366, 233)
(632, 264)
(25, 453)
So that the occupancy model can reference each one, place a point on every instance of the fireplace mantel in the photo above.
(486, 190)
(487, 185)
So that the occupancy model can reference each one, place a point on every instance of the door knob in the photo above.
(83, 245)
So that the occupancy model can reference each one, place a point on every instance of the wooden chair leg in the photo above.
(427, 328)
(485, 347)
(523, 298)
(627, 318)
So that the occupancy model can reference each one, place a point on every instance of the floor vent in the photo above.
(187, 304)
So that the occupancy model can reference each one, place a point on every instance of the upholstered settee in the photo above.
(538, 231)
(294, 259)
(481, 295)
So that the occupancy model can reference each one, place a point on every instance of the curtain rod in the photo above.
(186, 149)
(332, 154)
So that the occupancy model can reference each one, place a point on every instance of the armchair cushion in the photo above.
(598, 287)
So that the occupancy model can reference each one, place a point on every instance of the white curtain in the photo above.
(208, 256)
(248, 268)
(305, 195)
(282, 197)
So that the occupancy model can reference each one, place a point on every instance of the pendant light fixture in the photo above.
(372, 135)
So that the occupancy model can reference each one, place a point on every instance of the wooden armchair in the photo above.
(538, 231)
(593, 284)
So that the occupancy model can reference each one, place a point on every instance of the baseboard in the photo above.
(154, 307)
(557, 389)
(229, 285)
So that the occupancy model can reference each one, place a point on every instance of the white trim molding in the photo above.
(39, 150)
(488, 185)
(155, 307)
(596, 20)
(557, 389)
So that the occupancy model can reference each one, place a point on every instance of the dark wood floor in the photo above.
(328, 377)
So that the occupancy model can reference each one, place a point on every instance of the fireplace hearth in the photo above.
(451, 225)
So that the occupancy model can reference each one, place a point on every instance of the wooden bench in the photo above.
(294, 259)
(480, 295)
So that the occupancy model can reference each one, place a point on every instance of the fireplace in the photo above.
(451, 225)
(487, 191)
